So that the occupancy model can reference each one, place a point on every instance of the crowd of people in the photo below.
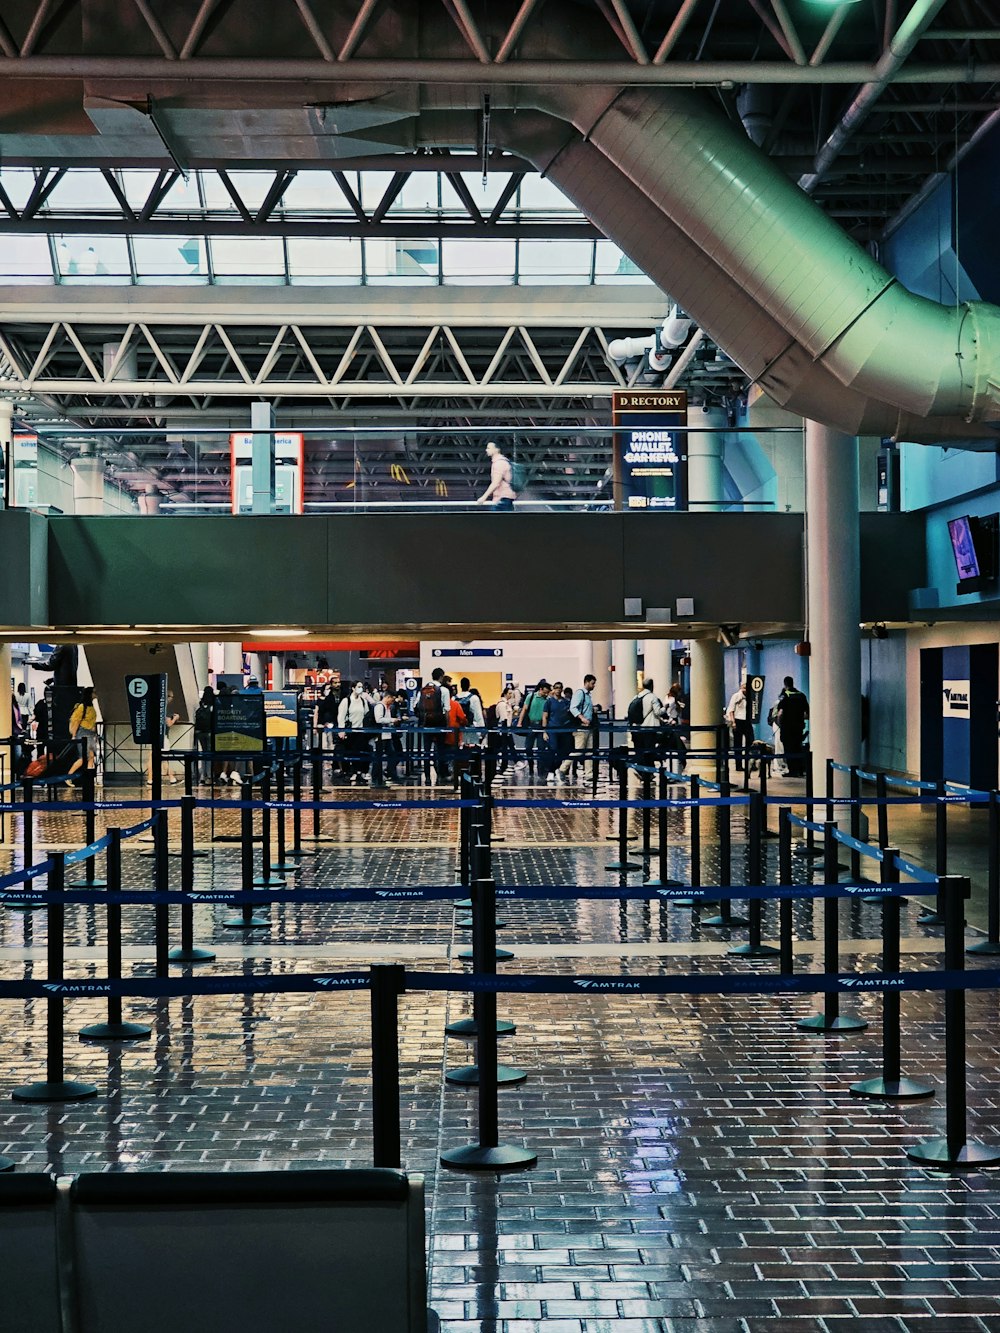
(550, 728)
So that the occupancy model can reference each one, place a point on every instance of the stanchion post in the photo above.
(754, 947)
(831, 1020)
(991, 944)
(855, 823)
(297, 851)
(955, 1149)
(725, 822)
(268, 875)
(786, 960)
(28, 822)
(388, 982)
(623, 865)
(56, 1088)
(829, 794)
(247, 919)
(934, 916)
(488, 1154)
(647, 817)
(891, 1087)
(317, 789)
(882, 810)
(161, 883)
(114, 1029)
(188, 951)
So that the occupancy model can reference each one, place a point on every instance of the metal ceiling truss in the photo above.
(343, 216)
(75, 359)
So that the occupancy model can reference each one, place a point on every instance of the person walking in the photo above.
(354, 718)
(506, 714)
(672, 742)
(384, 769)
(581, 710)
(644, 715)
(530, 719)
(558, 724)
(790, 714)
(83, 730)
(204, 717)
(738, 718)
(500, 490)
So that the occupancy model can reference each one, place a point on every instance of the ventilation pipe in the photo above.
(797, 304)
(659, 348)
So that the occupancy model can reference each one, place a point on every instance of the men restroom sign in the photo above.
(955, 698)
(650, 458)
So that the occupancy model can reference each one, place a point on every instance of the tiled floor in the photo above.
(701, 1164)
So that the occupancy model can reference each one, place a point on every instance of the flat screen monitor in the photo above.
(964, 548)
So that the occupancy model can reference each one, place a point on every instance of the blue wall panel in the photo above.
(955, 740)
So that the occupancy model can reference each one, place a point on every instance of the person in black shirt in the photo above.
(790, 713)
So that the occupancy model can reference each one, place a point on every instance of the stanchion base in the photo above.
(808, 853)
(115, 1032)
(26, 907)
(892, 1090)
(196, 954)
(7, 1164)
(468, 1075)
(501, 955)
(68, 1091)
(624, 867)
(820, 1023)
(753, 951)
(938, 1152)
(465, 904)
(88, 884)
(667, 884)
(504, 1157)
(286, 868)
(466, 923)
(930, 919)
(721, 922)
(466, 1027)
(255, 923)
(613, 837)
(275, 882)
(984, 946)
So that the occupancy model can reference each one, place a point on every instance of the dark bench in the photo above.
(251, 1252)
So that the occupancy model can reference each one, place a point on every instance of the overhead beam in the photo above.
(252, 73)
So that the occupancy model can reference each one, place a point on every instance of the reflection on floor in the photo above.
(701, 1164)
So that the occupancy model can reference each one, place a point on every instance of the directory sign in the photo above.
(147, 707)
(239, 723)
(650, 458)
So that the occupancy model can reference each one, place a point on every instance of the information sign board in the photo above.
(650, 457)
(147, 707)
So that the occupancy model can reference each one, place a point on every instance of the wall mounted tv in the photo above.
(974, 546)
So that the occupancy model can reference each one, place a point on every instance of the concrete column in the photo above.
(262, 457)
(232, 659)
(199, 657)
(624, 658)
(705, 454)
(149, 501)
(7, 840)
(833, 595)
(7, 451)
(602, 670)
(88, 483)
(707, 703)
(656, 663)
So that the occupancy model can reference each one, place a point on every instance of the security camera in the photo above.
(729, 635)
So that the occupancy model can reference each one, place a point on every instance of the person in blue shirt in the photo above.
(557, 729)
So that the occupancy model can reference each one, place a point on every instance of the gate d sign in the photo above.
(147, 707)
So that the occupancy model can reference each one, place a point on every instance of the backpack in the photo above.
(203, 717)
(464, 702)
(37, 767)
(491, 717)
(636, 711)
(430, 707)
(518, 477)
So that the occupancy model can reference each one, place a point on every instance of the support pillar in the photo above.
(7, 452)
(199, 658)
(707, 703)
(88, 482)
(602, 670)
(706, 489)
(262, 457)
(833, 595)
(6, 751)
(232, 659)
(625, 659)
(656, 662)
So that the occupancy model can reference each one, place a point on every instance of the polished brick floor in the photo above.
(701, 1165)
